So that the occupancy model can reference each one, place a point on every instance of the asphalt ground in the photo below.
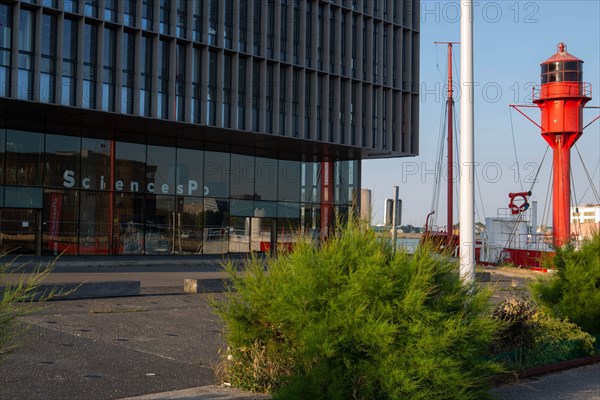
(577, 384)
(114, 348)
(167, 345)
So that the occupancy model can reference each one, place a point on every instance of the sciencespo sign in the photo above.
(190, 189)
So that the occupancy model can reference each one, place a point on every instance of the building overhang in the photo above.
(52, 118)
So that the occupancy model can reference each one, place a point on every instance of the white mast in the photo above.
(467, 176)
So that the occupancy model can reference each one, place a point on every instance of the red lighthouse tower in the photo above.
(561, 99)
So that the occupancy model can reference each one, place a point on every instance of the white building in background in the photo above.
(585, 220)
(366, 208)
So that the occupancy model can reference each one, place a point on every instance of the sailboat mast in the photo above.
(450, 102)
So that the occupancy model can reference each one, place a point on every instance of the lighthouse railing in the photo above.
(565, 89)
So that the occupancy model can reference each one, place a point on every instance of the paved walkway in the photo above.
(576, 384)
(154, 346)
(157, 274)
(115, 348)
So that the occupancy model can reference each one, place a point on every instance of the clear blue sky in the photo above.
(511, 39)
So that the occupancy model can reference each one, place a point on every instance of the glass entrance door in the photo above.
(19, 231)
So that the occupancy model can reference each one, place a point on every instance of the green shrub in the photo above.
(560, 340)
(19, 299)
(349, 320)
(530, 338)
(519, 328)
(574, 291)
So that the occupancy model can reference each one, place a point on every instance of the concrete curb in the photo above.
(544, 370)
(202, 393)
(88, 290)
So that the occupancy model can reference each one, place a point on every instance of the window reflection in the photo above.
(69, 62)
(190, 172)
(108, 76)
(216, 166)
(310, 173)
(129, 212)
(71, 6)
(128, 63)
(5, 47)
(96, 156)
(239, 233)
(24, 158)
(48, 66)
(165, 200)
(181, 18)
(160, 170)
(90, 8)
(146, 76)
(189, 235)
(159, 224)
(242, 177)
(288, 188)
(89, 66)
(266, 175)
(60, 222)
(130, 167)
(26, 55)
(96, 224)
(216, 226)
(62, 161)
(147, 14)
(197, 86)
(129, 12)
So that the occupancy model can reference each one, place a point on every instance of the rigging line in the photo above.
(437, 63)
(457, 158)
(512, 128)
(546, 214)
(539, 169)
(438, 179)
(510, 236)
(593, 177)
(480, 198)
(591, 180)
(477, 182)
(574, 192)
(574, 198)
(438, 172)
(457, 70)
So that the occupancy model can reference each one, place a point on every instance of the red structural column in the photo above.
(326, 197)
(561, 196)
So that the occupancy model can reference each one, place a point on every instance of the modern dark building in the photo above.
(196, 126)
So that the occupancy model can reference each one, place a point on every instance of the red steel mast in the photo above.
(450, 105)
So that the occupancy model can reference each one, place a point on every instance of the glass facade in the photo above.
(90, 40)
(48, 64)
(26, 55)
(69, 66)
(5, 47)
(110, 197)
(242, 121)
(211, 56)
